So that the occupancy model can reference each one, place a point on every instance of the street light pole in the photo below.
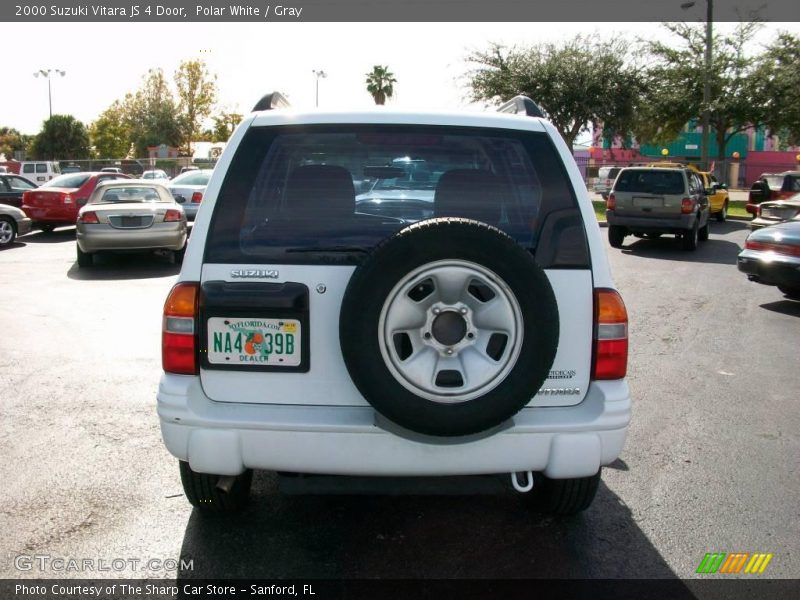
(706, 113)
(319, 74)
(47, 73)
(707, 83)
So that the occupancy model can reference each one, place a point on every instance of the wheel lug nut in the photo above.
(437, 310)
(449, 351)
(463, 311)
(427, 335)
(470, 335)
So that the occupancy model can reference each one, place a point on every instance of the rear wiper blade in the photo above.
(342, 249)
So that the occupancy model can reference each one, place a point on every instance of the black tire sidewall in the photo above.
(428, 242)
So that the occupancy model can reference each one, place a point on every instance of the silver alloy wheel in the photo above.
(6, 232)
(450, 331)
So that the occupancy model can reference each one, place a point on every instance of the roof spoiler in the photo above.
(271, 102)
(521, 105)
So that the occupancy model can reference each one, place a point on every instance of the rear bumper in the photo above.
(770, 269)
(660, 224)
(24, 226)
(52, 215)
(226, 438)
(104, 238)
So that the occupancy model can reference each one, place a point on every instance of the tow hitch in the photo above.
(528, 478)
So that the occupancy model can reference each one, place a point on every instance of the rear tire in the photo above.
(690, 238)
(84, 259)
(46, 228)
(177, 255)
(702, 234)
(8, 232)
(722, 215)
(616, 236)
(202, 492)
(566, 496)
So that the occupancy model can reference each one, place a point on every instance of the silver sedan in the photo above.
(188, 189)
(130, 215)
(13, 222)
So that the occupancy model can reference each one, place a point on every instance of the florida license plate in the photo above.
(254, 341)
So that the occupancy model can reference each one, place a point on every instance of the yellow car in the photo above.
(717, 192)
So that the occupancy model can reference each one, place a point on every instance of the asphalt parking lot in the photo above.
(710, 464)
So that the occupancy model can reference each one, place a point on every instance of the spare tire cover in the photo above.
(449, 327)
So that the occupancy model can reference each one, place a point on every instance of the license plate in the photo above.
(647, 202)
(131, 221)
(253, 341)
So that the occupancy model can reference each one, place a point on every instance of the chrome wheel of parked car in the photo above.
(8, 231)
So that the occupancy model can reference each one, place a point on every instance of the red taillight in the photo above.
(197, 197)
(88, 217)
(610, 359)
(611, 203)
(785, 249)
(687, 206)
(179, 332)
(172, 215)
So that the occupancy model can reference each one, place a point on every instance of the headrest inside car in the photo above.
(470, 193)
(314, 191)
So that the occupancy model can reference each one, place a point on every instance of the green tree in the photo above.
(224, 124)
(576, 82)
(12, 141)
(675, 81)
(777, 81)
(197, 94)
(62, 137)
(151, 113)
(380, 84)
(111, 133)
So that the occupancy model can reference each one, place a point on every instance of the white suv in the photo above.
(457, 320)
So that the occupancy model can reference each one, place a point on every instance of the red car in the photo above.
(772, 186)
(58, 201)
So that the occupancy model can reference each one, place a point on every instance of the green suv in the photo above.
(650, 201)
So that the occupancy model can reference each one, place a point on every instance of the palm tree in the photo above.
(380, 84)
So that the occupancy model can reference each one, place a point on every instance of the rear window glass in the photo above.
(128, 194)
(41, 168)
(791, 184)
(330, 194)
(68, 181)
(650, 181)
(192, 178)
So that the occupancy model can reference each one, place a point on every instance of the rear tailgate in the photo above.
(314, 372)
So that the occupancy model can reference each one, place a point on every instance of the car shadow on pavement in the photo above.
(110, 267)
(784, 307)
(54, 237)
(416, 537)
(714, 251)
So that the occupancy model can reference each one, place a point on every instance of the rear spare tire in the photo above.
(449, 327)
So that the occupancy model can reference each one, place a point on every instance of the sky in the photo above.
(103, 61)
